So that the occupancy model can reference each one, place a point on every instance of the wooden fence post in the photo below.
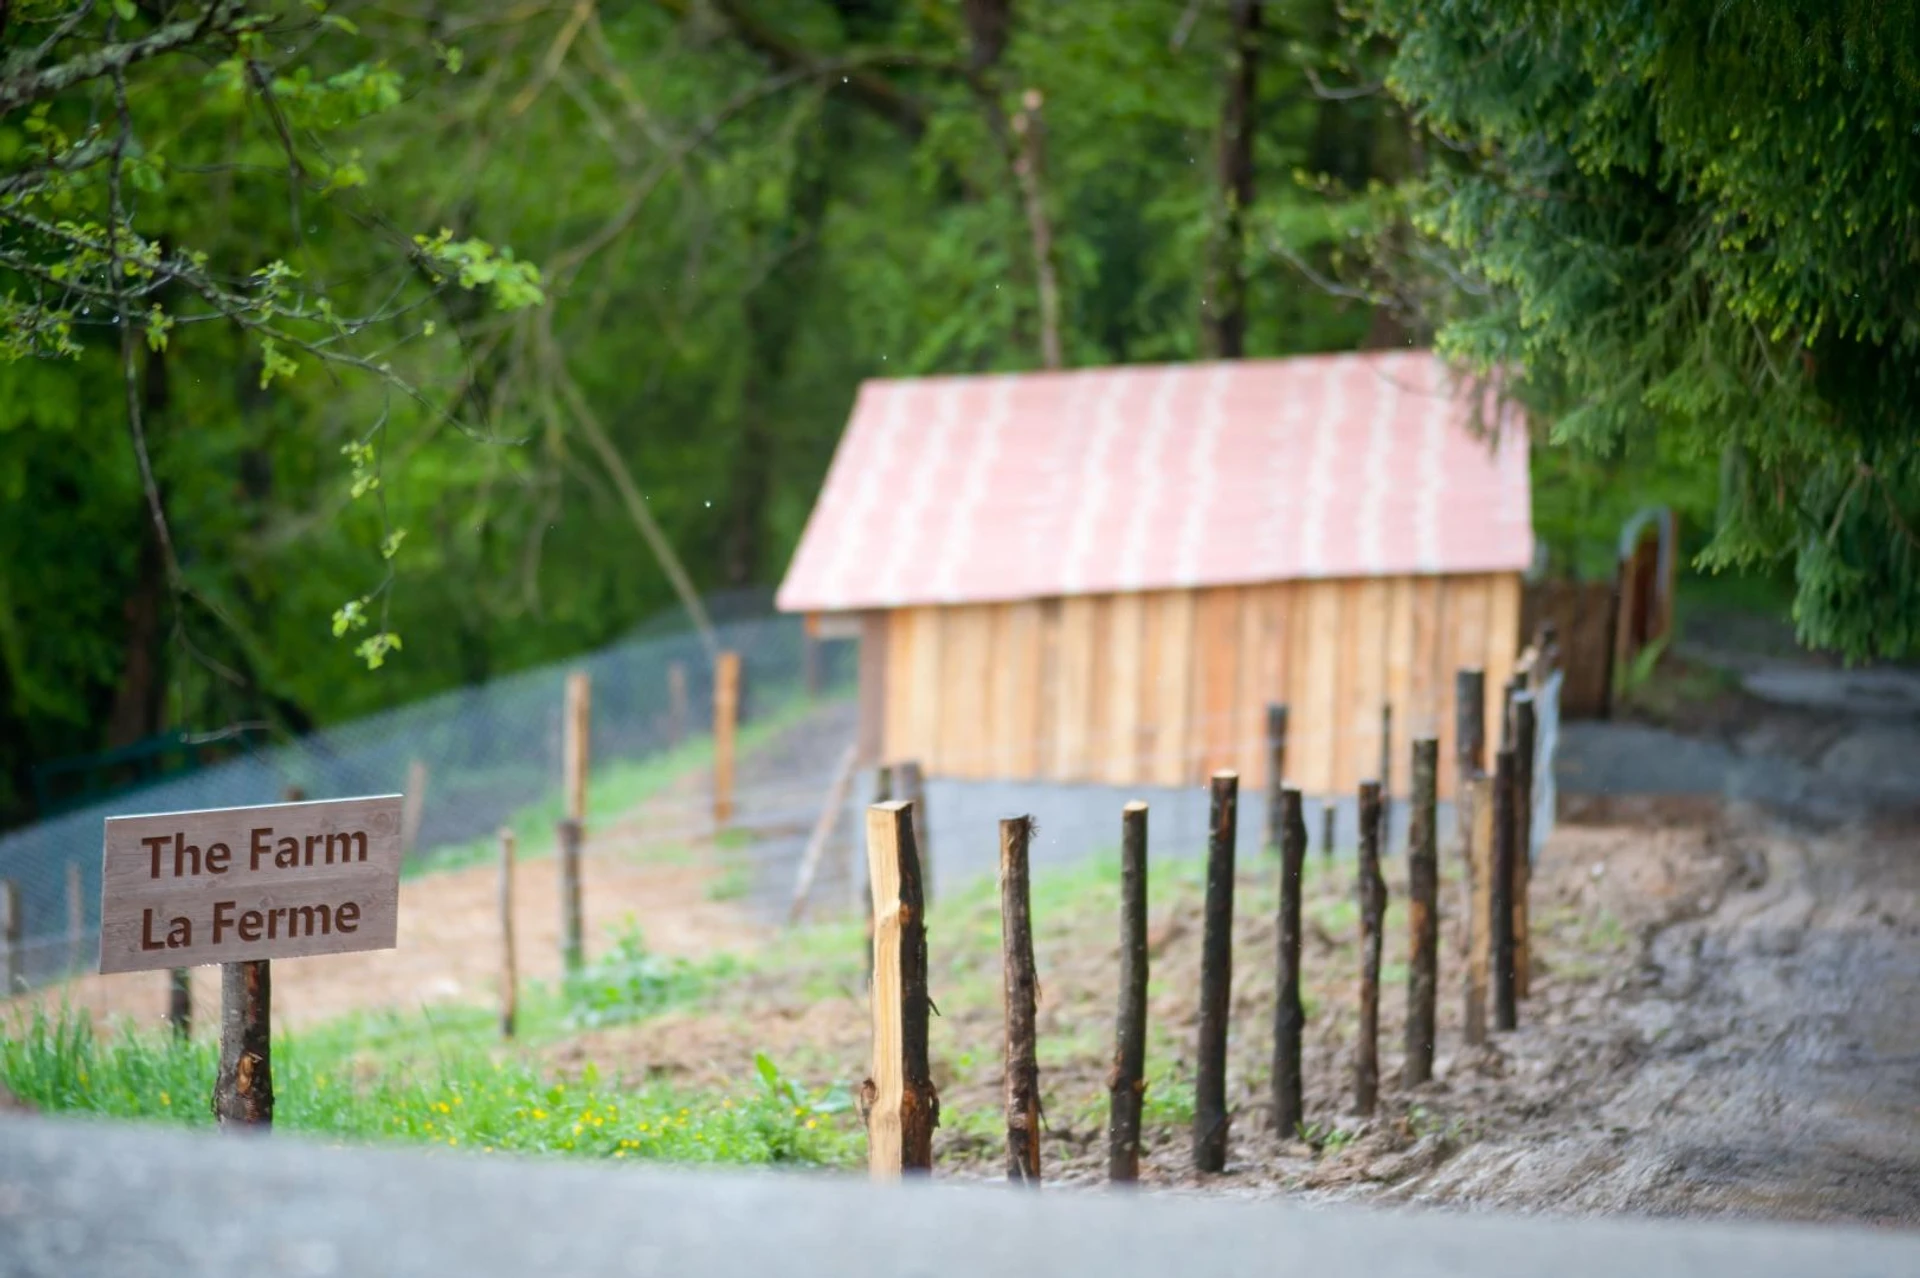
(243, 1088)
(1216, 979)
(577, 743)
(412, 804)
(1289, 1015)
(76, 916)
(1329, 812)
(1127, 1084)
(912, 783)
(1276, 774)
(677, 711)
(509, 968)
(1469, 725)
(726, 709)
(1479, 815)
(1373, 910)
(1423, 914)
(1500, 900)
(1021, 985)
(12, 939)
(573, 952)
(180, 1003)
(902, 1106)
(1525, 737)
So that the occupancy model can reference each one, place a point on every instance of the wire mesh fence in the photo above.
(474, 759)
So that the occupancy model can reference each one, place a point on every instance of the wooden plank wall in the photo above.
(1162, 688)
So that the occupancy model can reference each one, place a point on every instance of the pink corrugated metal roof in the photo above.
(1019, 486)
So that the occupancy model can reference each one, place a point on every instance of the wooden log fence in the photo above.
(726, 715)
(1021, 989)
(1127, 1084)
(1276, 774)
(1500, 897)
(573, 945)
(902, 1107)
(1423, 915)
(1210, 1116)
(1525, 740)
(12, 939)
(679, 711)
(1373, 908)
(577, 744)
(1289, 1013)
(76, 916)
(509, 970)
(910, 782)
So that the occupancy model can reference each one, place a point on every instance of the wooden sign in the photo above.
(180, 889)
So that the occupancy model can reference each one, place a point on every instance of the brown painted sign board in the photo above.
(286, 880)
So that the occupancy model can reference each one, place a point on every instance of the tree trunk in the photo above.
(1223, 327)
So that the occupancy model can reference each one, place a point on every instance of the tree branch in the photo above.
(225, 16)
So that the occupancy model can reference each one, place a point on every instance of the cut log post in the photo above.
(726, 710)
(902, 1106)
(911, 783)
(1469, 762)
(76, 916)
(1373, 913)
(573, 949)
(412, 805)
(1525, 739)
(823, 828)
(1216, 979)
(1469, 723)
(1289, 1014)
(243, 1087)
(575, 756)
(12, 939)
(1479, 800)
(1423, 915)
(1329, 814)
(1127, 1084)
(509, 968)
(678, 712)
(180, 1003)
(1276, 774)
(1022, 988)
(1500, 902)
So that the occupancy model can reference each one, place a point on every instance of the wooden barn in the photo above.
(1105, 575)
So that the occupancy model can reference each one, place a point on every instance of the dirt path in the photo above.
(1765, 1050)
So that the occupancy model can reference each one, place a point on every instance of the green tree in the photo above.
(1698, 223)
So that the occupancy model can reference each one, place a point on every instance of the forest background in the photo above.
(447, 337)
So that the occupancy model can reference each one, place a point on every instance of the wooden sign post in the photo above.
(242, 886)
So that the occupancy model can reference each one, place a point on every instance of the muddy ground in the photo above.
(1725, 1020)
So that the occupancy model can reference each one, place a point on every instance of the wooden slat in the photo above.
(1124, 641)
(1314, 648)
(1099, 667)
(1407, 719)
(1216, 680)
(966, 663)
(1363, 678)
(1427, 715)
(1073, 688)
(1503, 643)
(1047, 698)
(1263, 656)
(924, 692)
(1169, 634)
(902, 634)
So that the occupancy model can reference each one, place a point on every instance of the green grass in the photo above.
(339, 1085)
